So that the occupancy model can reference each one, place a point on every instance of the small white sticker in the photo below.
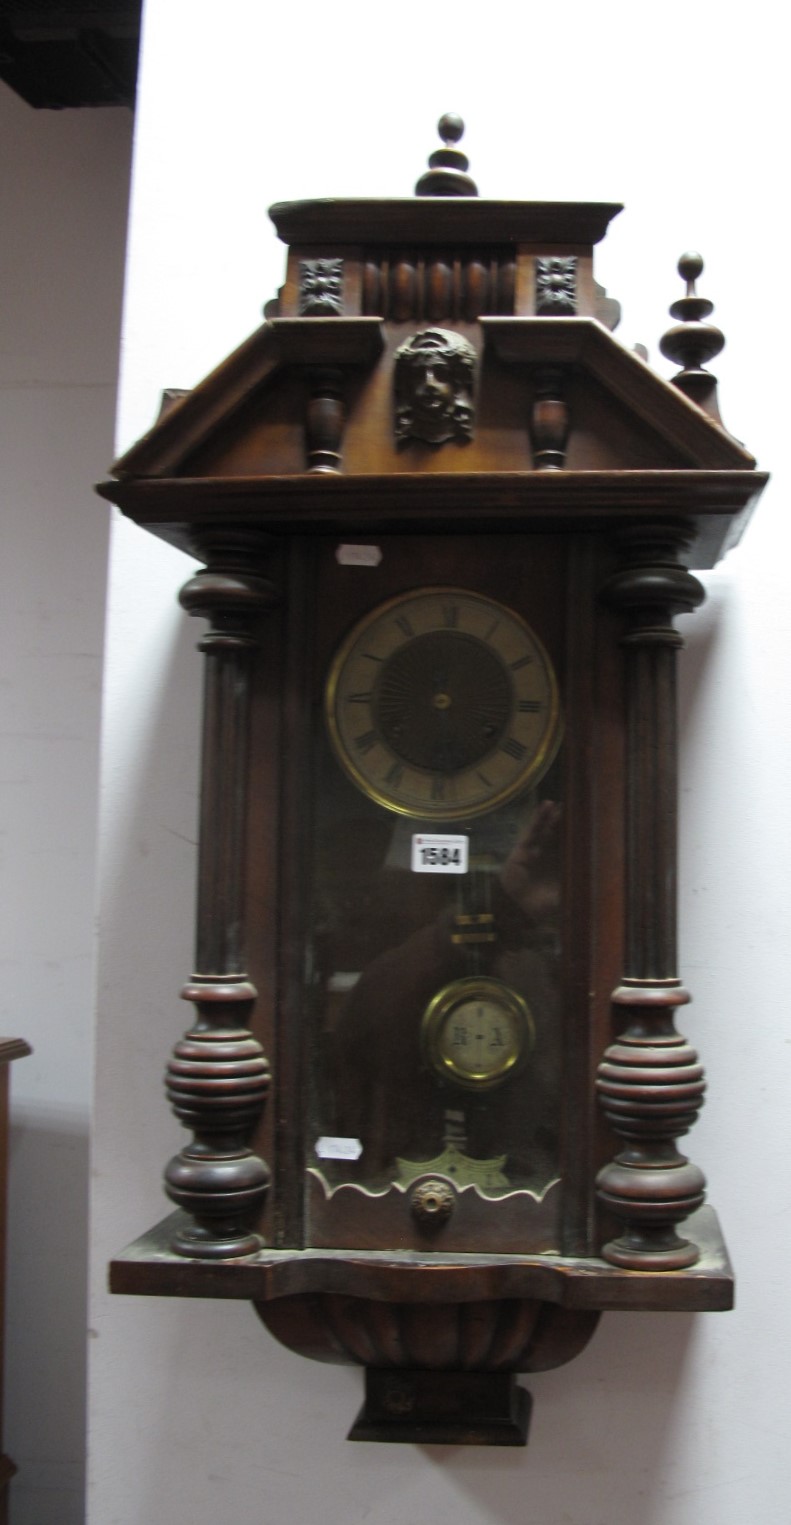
(440, 855)
(339, 1148)
(358, 555)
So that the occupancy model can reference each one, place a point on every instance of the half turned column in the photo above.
(218, 1078)
(649, 1081)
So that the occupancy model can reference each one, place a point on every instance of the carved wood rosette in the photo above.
(649, 1081)
(218, 1077)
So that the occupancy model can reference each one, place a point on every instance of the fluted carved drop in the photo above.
(451, 285)
(506, 1335)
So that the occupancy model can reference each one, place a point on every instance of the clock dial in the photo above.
(477, 1031)
(442, 704)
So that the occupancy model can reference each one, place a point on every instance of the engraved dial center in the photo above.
(442, 700)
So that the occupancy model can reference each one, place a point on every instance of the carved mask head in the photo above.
(434, 377)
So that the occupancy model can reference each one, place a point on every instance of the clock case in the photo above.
(581, 490)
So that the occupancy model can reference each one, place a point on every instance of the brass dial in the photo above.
(477, 1031)
(442, 704)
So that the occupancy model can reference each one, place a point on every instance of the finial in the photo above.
(691, 341)
(447, 172)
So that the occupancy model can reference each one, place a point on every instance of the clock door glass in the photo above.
(433, 982)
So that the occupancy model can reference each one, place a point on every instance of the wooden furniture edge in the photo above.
(149, 1267)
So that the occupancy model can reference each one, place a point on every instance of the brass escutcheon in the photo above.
(432, 1202)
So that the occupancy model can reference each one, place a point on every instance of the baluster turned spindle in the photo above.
(218, 1078)
(650, 1082)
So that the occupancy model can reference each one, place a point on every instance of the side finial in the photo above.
(447, 172)
(691, 341)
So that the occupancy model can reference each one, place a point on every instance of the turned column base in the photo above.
(651, 1200)
(201, 1244)
(224, 1193)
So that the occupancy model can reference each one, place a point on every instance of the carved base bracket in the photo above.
(443, 1408)
(487, 1334)
(446, 1332)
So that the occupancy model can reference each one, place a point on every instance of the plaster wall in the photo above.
(667, 1420)
(63, 198)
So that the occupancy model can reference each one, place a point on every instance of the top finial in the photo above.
(691, 342)
(450, 127)
(691, 308)
(447, 172)
(690, 266)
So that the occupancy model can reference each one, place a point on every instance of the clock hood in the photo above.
(325, 410)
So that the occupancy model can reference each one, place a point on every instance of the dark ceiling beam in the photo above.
(69, 55)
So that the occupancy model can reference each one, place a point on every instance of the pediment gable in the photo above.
(247, 418)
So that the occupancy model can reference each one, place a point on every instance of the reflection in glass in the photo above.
(434, 998)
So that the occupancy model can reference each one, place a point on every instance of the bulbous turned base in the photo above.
(651, 1200)
(217, 1079)
(223, 1194)
(651, 1086)
(651, 1252)
(197, 1243)
(650, 1083)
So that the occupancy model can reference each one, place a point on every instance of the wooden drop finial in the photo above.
(447, 172)
(692, 341)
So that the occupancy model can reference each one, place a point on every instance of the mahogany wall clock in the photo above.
(434, 1081)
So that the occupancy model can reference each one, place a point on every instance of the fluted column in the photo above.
(650, 1082)
(218, 1077)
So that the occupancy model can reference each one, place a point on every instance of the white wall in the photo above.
(665, 1420)
(63, 194)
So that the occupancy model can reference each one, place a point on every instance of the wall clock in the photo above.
(434, 1082)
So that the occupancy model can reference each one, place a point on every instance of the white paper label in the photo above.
(358, 555)
(339, 1148)
(440, 854)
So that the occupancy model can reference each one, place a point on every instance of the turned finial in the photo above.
(447, 172)
(692, 341)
